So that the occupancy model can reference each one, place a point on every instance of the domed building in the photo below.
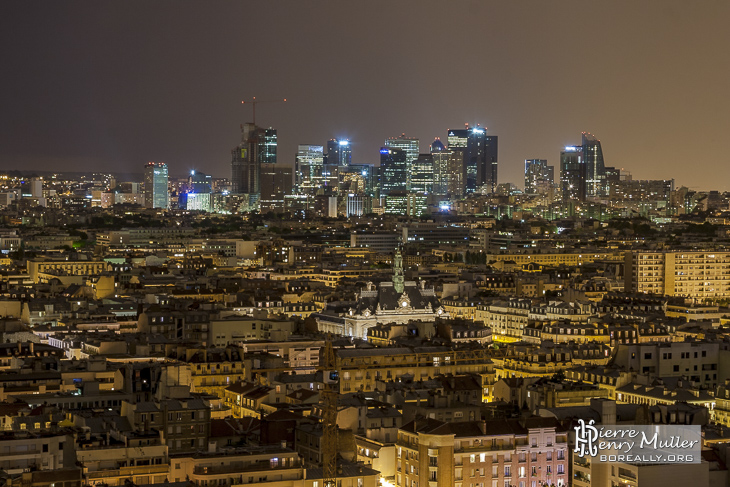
(395, 301)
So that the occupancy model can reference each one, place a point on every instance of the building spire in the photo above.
(398, 279)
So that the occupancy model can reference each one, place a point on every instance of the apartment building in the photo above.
(38, 268)
(703, 363)
(505, 318)
(360, 369)
(696, 274)
(527, 453)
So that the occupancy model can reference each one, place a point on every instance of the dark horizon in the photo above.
(109, 87)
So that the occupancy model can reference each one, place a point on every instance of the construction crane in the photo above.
(254, 102)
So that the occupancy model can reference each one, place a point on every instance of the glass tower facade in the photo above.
(339, 152)
(573, 174)
(537, 174)
(595, 168)
(309, 168)
(440, 157)
(480, 157)
(393, 170)
(422, 174)
(155, 185)
(410, 145)
(258, 146)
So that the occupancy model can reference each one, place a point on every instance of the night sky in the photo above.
(109, 86)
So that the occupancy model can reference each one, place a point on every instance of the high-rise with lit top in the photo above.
(155, 185)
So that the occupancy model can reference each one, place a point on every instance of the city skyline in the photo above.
(128, 89)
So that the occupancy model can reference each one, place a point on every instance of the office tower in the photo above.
(480, 156)
(309, 168)
(573, 173)
(595, 169)
(410, 145)
(422, 174)
(538, 175)
(199, 182)
(195, 201)
(276, 182)
(155, 185)
(396, 202)
(367, 172)
(258, 146)
(393, 170)
(339, 152)
(358, 205)
(457, 175)
(198, 195)
(440, 157)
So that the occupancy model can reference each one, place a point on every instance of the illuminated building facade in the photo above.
(258, 146)
(410, 145)
(339, 152)
(422, 174)
(393, 170)
(480, 157)
(308, 169)
(573, 173)
(367, 173)
(691, 274)
(538, 175)
(440, 157)
(595, 169)
(155, 185)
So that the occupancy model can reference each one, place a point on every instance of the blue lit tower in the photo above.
(200, 182)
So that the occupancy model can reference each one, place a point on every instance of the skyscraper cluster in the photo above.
(467, 164)
(582, 172)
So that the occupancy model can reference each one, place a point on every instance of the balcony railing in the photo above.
(129, 471)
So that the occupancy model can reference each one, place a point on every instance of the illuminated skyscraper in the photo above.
(410, 145)
(276, 182)
(440, 157)
(339, 152)
(199, 192)
(200, 182)
(363, 172)
(422, 174)
(538, 174)
(480, 155)
(258, 146)
(155, 185)
(308, 169)
(595, 169)
(393, 170)
(573, 173)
